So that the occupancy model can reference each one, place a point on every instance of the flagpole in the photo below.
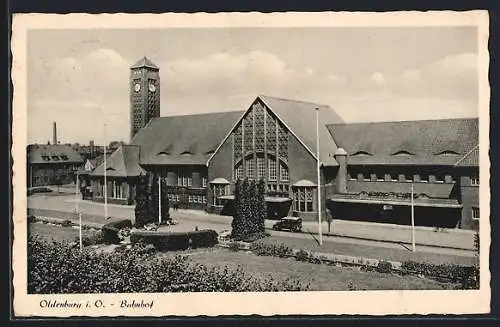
(412, 220)
(319, 179)
(77, 212)
(159, 200)
(105, 177)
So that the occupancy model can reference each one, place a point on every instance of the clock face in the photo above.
(152, 88)
(137, 87)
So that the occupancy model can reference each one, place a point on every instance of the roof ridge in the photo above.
(201, 114)
(294, 100)
(402, 121)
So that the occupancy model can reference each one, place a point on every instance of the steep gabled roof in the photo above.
(183, 140)
(144, 62)
(424, 142)
(121, 163)
(300, 118)
(52, 153)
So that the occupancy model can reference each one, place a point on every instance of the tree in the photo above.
(165, 205)
(250, 209)
(154, 193)
(262, 208)
(142, 199)
(237, 222)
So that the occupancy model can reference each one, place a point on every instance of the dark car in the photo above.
(293, 224)
(38, 189)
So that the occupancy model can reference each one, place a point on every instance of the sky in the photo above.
(79, 78)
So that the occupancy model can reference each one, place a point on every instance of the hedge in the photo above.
(55, 268)
(175, 241)
(466, 276)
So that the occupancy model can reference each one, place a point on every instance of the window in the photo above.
(250, 168)
(184, 179)
(303, 197)
(116, 190)
(238, 172)
(475, 213)
(283, 172)
(474, 180)
(190, 199)
(55, 158)
(203, 181)
(272, 169)
(218, 190)
(46, 158)
(204, 198)
(261, 168)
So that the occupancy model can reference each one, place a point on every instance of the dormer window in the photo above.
(163, 153)
(447, 153)
(361, 153)
(55, 158)
(64, 157)
(402, 153)
(45, 158)
(186, 153)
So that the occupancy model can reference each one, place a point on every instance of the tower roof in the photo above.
(144, 62)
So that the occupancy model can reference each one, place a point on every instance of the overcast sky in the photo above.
(79, 78)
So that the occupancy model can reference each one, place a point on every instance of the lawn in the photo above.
(374, 252)
(55, 232)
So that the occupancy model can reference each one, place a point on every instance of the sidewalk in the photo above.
(450, 238)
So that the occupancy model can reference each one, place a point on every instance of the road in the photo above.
(64, 206)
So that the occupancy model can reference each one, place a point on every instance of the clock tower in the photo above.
(144, 94)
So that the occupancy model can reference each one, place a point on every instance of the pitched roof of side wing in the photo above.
(124, 162)
(183, 140)
(421, 142)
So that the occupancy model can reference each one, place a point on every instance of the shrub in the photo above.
(203, 238)
(57, 268)
(466, 276)
(119, 224)
(271, 249)
(234, 246)
(31, 219)
(165, 205)
(254, 237)
(384, 267)
(175, 241)
(143, 202)
(66, 223)
(91, 238)
(302, 255)
(476, 243)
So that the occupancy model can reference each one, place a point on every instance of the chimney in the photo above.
(91, 147)
(54, 134)
(341, 157)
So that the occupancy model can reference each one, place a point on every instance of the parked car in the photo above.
(38, 189)
(292, 224)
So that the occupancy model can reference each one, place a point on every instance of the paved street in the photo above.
(364, 235)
